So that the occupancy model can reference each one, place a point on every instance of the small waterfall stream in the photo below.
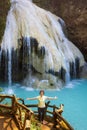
(6, 65)
(27, 58)
(9, 68)
(67, 76)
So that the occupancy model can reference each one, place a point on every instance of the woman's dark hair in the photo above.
(41, 91)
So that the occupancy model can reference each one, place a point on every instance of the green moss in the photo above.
(35, 125)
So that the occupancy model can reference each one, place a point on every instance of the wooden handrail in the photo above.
(6, 96)
(52, 106)
(15, 105)
(50, 112)
(60, 117)
(20, 99)
(31, 105)
(5, 106)
(36, 105)
(23, 106)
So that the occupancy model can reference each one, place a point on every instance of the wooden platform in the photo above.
(44, 127)
(14, 115)
(7, 123)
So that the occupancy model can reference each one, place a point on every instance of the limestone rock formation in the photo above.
(74, 13)
(42, 38)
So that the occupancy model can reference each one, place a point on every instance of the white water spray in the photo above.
(67, 76)
(29, 60)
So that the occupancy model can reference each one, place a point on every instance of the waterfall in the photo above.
(39, 39)
(67, 75)
(6, 62)
(27, 58)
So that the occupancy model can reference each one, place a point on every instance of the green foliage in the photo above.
(35, 125)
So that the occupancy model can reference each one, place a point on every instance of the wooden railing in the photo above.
(60, 122)
(18, 111)
(57, 118)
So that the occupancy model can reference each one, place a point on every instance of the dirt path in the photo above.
(7, 123)
(44, 127)
(48, 126)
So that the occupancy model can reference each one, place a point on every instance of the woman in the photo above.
(41, 104)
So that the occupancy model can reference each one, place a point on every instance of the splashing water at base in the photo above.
(9, 91)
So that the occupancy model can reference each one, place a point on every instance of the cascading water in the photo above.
(8, 65)
(38, 42)
(27, 57)
(6, 48)
(67, 76)
(9, 68)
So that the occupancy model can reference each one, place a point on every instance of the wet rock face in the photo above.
(4, 7)
(74, 13)
(84, 72)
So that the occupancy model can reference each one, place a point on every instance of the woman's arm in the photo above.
(51, 98)
(34, 98)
